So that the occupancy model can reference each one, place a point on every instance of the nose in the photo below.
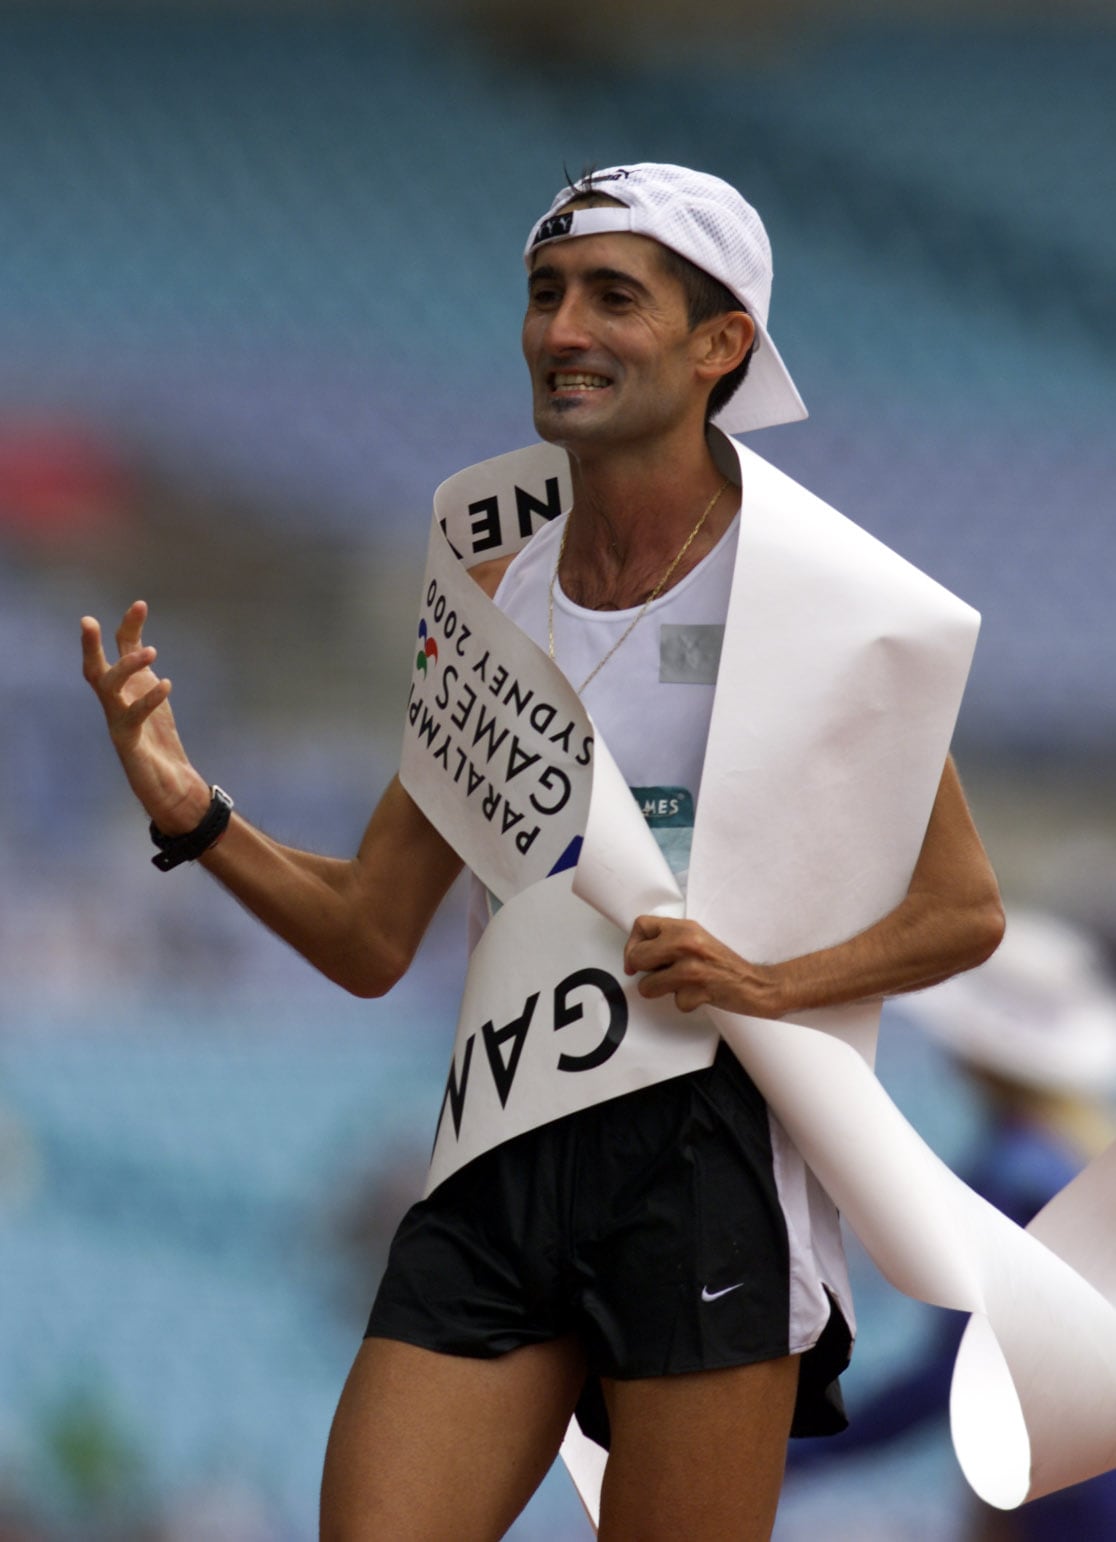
(566, 329)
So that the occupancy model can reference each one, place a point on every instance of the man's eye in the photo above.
(615, 299)
(543, 296)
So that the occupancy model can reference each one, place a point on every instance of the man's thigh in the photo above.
(428, 1447)
(700, 1455)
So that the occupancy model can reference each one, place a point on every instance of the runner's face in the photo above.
(607, 343)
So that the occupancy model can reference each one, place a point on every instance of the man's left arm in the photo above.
(950, 920)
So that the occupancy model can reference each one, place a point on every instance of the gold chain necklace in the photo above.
(648, 602)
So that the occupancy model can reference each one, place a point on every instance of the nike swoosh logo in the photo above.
(715, 1295)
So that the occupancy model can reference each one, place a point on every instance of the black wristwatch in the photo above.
(174, 849)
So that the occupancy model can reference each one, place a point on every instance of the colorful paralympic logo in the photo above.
(428, 648)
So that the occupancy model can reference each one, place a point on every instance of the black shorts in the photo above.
(649, 1225)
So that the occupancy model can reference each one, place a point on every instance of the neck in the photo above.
(631, 516)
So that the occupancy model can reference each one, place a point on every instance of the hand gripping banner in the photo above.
(841, 674)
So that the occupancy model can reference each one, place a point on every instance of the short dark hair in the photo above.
(707, 297)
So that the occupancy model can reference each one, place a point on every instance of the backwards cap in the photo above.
(705, 220)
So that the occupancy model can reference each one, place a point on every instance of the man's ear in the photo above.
(723, 343)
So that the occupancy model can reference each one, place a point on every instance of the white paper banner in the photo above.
(496, 745)
(840, 678)
(499, 752)
(551, 1028)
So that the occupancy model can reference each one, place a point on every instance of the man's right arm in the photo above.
(358, 921)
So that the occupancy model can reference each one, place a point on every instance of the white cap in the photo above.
(706, 221)
(1041, 1011)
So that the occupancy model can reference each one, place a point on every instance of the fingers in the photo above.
(126, 705)
(679, 958)
(137, 712)
(657, 941)
(93, 661)
(129, 634)
(676, 958)
(657, 949)
(645, 929)
(103, 676)
(129, 637)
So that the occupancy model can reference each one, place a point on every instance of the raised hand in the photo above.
(135, 701)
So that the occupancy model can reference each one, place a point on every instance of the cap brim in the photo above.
(768, 395)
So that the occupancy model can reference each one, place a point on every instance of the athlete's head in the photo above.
(713, 243)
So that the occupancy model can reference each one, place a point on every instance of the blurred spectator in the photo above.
(1034, 1031)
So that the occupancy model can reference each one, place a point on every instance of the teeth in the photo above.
(579, 380)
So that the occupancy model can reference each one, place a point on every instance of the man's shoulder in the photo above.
(489, 574)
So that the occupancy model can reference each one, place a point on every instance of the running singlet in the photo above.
(653, 698)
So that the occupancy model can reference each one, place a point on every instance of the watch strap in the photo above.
(175, 849)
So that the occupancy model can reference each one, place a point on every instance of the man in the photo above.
(498, 1311)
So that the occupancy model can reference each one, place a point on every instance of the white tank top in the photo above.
(653, 698)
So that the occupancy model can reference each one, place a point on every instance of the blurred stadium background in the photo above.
(259, 291)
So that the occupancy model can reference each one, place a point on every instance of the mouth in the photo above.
(560, 381)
